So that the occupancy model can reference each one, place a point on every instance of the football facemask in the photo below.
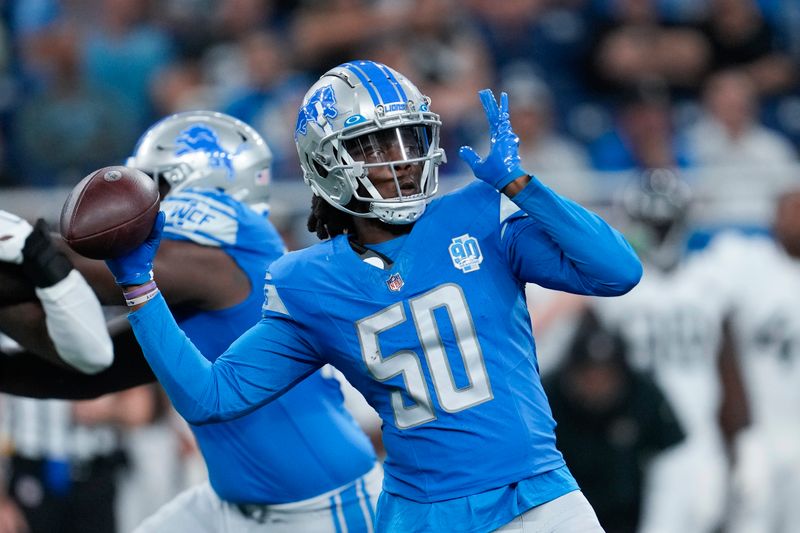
(389, 166)
(656, 206)
(368, 144)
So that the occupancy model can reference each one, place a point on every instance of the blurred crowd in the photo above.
(596, 87)
(602, 85)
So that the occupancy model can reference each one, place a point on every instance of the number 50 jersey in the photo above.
(440, 342)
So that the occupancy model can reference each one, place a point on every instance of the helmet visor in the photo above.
(393, 145)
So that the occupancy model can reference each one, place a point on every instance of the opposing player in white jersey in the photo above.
(41, 439)
(758, 279)
(674, 332)
(75, 331)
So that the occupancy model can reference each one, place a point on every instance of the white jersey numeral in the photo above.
(451, 299)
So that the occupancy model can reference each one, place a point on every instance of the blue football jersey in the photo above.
(440, 343)
(271, 455)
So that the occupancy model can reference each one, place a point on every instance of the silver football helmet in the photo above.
(206, 149)
(363, 115)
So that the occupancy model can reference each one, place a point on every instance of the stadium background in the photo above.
(81, 79)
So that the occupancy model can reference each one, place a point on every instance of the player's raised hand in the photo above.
(136, 267)
(502, 165)
(13, 233)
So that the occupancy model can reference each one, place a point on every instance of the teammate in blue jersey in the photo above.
(418, 301)
(300, 463)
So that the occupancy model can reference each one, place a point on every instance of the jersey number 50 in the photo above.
(406, 362)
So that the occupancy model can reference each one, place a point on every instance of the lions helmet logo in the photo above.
(322, 104)
(201, 138)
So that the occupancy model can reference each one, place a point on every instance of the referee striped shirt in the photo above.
(45, 429)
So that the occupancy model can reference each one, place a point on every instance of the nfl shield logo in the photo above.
(395, 282)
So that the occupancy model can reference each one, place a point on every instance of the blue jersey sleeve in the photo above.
(262, 364)
(561, 245)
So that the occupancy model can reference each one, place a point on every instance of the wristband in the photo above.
(141, 299)
(140, 291)
(141, 294)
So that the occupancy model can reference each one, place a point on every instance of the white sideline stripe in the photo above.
(339, 512)
(362, 502)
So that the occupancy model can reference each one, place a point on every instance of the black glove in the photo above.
(43, 263)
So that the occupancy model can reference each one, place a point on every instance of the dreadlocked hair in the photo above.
(327, 221)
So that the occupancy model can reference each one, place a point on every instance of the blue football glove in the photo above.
(502, 165)
(136, 267)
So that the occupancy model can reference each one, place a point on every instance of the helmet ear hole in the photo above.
(320, 169)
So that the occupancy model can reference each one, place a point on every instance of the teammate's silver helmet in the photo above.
(345, 117)
(206, 149)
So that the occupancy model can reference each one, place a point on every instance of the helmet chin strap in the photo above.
(394, 213)
(397, 210)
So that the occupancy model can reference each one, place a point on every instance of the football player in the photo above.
(298, 464)
(758, 279)
(72, 329)
(65, 323)
(418, 301)
(675, 333)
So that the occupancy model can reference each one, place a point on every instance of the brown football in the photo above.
(110, 212)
